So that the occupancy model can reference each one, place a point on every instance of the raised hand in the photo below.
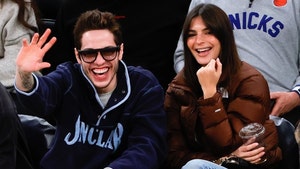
(30, 57)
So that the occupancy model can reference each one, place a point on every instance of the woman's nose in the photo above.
(199, 38)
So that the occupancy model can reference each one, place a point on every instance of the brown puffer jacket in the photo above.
(208, 128)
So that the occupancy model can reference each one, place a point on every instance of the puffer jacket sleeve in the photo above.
(181, 139)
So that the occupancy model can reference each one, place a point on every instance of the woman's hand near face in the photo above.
(208, 77)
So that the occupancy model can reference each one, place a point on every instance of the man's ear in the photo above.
(77, 56)
(121, 51)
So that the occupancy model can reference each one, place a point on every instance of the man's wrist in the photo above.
(296, 90)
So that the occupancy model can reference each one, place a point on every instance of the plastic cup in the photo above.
(253, 132)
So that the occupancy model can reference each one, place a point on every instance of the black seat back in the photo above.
(39, 134)
(287, 143)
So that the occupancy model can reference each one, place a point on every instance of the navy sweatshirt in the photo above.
(130, 132)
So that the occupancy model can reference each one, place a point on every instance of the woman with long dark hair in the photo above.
(213, 97)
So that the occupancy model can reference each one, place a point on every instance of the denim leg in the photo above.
(201, 164)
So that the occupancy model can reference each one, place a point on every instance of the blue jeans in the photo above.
(201, 164)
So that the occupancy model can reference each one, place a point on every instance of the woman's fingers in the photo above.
(219, 66)
(250, 152)
(255, 158)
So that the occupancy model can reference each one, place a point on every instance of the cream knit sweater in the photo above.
(12, 33)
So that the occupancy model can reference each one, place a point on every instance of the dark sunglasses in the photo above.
(107, 53)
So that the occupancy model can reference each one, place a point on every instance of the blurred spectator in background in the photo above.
(18, 21)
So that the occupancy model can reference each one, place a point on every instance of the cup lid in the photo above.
(252, 129)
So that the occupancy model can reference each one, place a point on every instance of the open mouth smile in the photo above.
(100, 71)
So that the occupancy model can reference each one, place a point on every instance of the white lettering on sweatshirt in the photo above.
(94, 136)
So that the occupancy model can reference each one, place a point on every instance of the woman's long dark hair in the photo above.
(21, 14)
(218, 23)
